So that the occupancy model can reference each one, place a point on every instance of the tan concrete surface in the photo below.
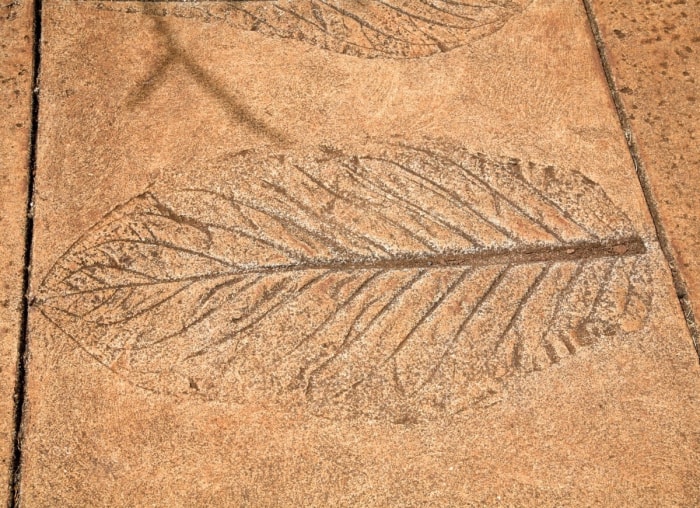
(16, 38)
(654, 52)
(282, 262)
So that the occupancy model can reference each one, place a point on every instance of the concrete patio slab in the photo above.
(16, 39)
(653, 50)
(313, 253)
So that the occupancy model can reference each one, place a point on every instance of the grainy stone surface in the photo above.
(15, 100)
(654, 52)
(306, 263)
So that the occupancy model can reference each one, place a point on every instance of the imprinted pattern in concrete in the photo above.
(358, 281)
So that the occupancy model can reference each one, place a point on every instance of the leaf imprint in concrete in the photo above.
(364, 28)
(400, 282)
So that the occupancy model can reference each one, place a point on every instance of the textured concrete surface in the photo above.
(15, 121)
(654, 52)
(343, 254)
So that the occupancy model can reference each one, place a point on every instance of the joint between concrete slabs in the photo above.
(19, 395)
(661, 235)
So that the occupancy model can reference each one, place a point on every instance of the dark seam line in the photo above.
(19, 395)
(662, 237)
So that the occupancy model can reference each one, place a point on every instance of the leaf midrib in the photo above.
(569, 252)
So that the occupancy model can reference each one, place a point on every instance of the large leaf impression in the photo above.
(399, 282)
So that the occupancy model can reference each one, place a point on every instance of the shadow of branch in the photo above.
(236, 110)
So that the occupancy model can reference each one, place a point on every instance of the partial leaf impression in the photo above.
(363, 28)
(401, 282)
